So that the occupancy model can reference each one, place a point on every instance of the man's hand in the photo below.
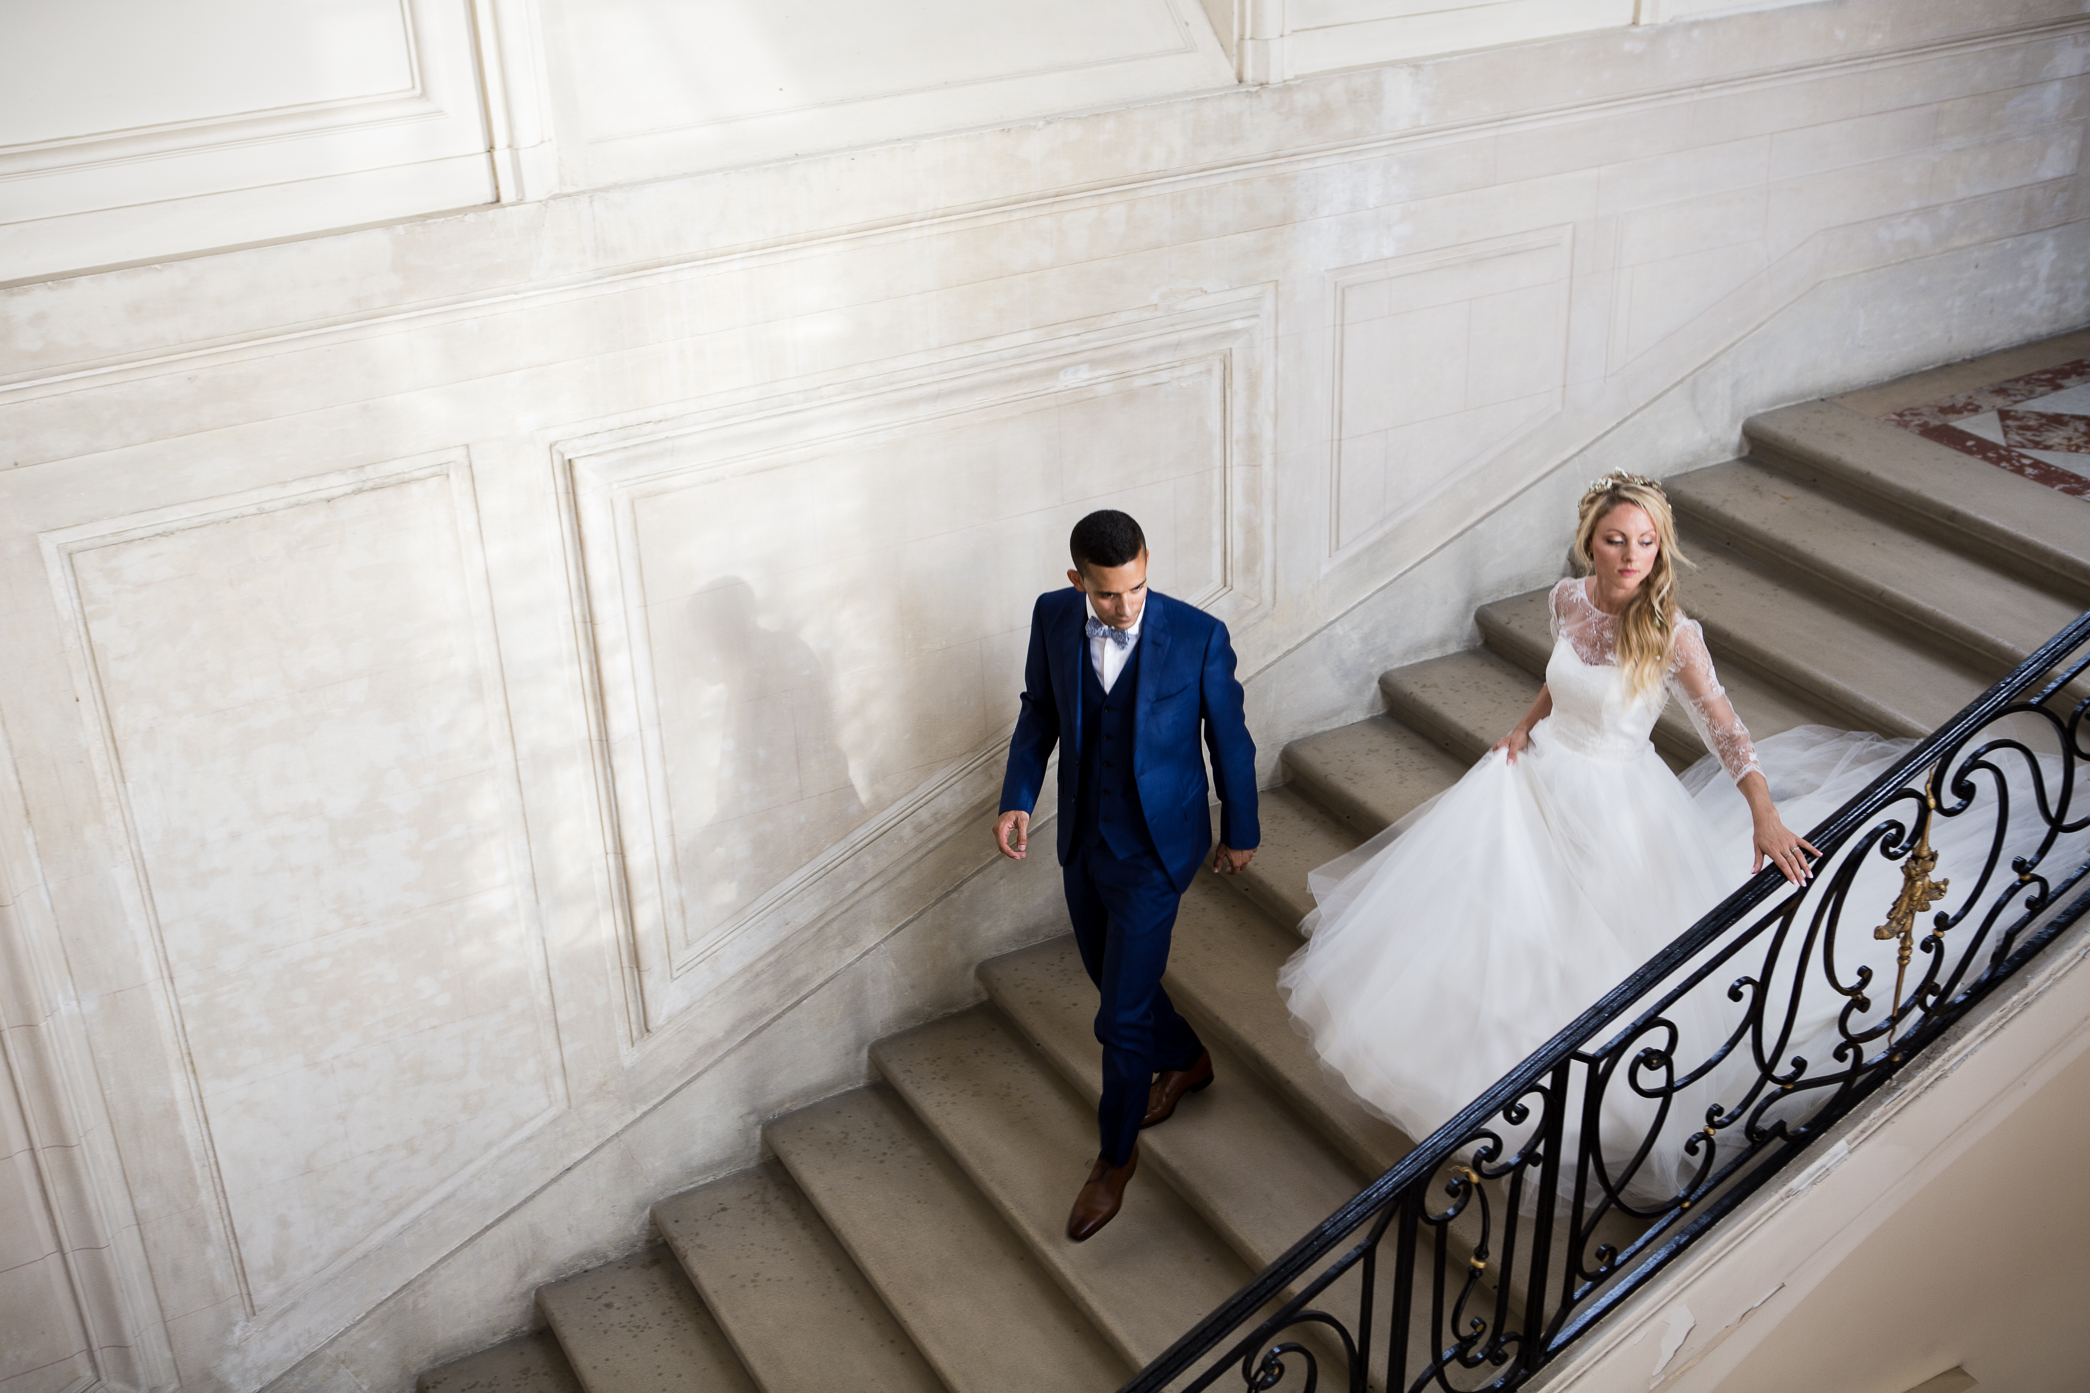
(1227, 861)
(1018, 823)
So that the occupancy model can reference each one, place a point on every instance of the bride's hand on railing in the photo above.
(1783, 848)
(1514, 742)
(1775, 842)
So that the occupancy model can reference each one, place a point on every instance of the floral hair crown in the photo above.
(1617, 477)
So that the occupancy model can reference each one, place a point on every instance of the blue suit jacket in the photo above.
(1186, 683)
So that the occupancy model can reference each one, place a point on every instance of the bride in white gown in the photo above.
(1448, 948)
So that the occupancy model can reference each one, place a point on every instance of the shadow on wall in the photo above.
(773, 786)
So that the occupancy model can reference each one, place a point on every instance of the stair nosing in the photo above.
(576, 1343)
(1774, 439)
(1786, 669)
(1889, 607)
(756, 1361)
(879, 1282)
(1448, 730)
(1045, 1246)
(1328, 797)
(1226, 1066)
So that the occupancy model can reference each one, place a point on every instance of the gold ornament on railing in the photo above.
(1918, 893)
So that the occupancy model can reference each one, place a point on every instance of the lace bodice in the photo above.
(1591, 708)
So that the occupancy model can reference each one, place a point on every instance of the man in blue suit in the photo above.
(1125, 682)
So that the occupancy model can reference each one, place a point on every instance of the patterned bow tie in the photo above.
(1098, 629)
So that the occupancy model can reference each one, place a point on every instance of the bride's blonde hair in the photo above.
(1648, 625)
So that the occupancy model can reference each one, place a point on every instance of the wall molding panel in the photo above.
(517, 100)
(302, 1108)
(1321, 36)
(94, 1264)
(238, 155)
(1328, 35)
(1210, 351)
(647, 89)
(1441, 359)
(50, 365)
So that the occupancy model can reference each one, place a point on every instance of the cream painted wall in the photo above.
(1973, 1262)
(131, 131)
(499, 704)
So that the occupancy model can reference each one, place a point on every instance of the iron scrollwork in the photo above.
(1515, 1227)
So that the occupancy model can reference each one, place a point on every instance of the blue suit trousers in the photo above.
(1124, 910)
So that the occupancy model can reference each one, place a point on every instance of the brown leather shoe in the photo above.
(1098, 1202)
(1168, 1090)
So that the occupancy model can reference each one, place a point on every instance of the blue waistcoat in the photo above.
(1109, 793)
(1185, 702)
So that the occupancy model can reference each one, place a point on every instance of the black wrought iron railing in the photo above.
(1510, 1231)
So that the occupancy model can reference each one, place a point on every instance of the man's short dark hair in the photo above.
(1105, 539)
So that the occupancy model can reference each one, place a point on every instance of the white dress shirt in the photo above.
(1109, 659)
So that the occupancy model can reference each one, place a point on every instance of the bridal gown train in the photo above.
(1448, 948)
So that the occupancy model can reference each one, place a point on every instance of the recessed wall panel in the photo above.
(646, 65)
(76, 68)
(1440, 359)
(829, 632)
(131, 130)
(303, 712)
(810, 624)
(1329, 35)
(662, 87)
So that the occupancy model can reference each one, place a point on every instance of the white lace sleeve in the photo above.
(1556, 618)
(1692, 679)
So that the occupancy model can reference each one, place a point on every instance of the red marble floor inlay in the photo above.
(1935, 422)
(2045, 430)
(2045, 382)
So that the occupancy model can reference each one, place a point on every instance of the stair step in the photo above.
(1369, 773)
(770, 1271)
(1463, 702)
(1849, 555)
(1027, 1141)
(1243, 1159)
(1894, 474)
(977, 1303)
(637, 1326)
(1519, 627)
(1868, 678)
(1297, 837)
(1222, 973)
(1256, 1172)
(531, 1363)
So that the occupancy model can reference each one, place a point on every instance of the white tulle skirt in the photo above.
(1447, 949)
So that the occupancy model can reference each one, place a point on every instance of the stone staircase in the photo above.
(908, 1235)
